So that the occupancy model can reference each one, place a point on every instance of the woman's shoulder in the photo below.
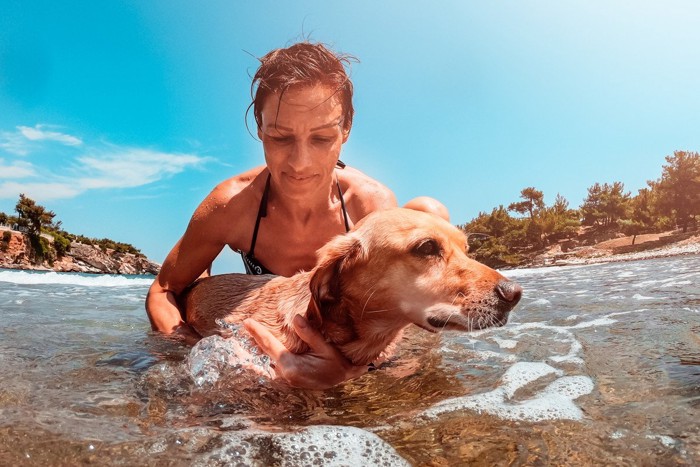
(251, 182)
(226, 212)
(363, 193)
(233, 196)
(238, 191)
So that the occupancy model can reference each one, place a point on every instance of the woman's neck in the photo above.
(302, 210)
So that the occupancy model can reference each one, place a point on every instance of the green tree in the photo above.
(678, 189)
(632, 227)
(34, 216)
(605, 204)
(499, 222)
(558, 221)
(642, 209)
(532, 205)
(616, 202)
(590, 209)
(533, 202)
(499, 235)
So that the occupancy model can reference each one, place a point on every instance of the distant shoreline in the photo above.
(690, 246)
(145, 275)
(597, 254)
(17, 254)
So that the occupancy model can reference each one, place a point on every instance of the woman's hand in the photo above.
(322, 367)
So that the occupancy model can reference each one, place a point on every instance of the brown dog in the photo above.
(397, 267)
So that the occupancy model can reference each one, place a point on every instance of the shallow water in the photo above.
(598, 365)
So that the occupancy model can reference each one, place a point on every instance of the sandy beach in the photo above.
(610, 251)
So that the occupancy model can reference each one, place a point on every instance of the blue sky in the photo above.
(121, 116)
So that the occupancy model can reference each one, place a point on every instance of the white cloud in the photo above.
(14, 143)
(38, 191)
(27, 139)
(39, 134)
(132, 167)
(92, 167)
(18, 169)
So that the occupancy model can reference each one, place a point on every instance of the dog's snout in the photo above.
(509, 292)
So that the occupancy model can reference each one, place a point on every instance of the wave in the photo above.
(69, 278)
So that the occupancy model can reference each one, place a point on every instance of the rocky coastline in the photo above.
(16, 253)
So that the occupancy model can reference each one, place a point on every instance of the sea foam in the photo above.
(67, 278)
(317, 445)
(553, 402)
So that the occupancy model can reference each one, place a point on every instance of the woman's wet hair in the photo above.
(302, 64)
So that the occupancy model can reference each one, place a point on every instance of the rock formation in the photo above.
(16, 253)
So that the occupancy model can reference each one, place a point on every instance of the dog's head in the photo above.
(401, 266)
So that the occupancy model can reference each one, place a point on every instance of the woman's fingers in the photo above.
(325, 351)
(267, 342)
(312, 337)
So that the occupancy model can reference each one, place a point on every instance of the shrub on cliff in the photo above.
(61, 244)
(5, 243)
(118, 247)
(42, 249)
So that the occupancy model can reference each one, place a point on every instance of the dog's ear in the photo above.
(334, 259)
(313, 314)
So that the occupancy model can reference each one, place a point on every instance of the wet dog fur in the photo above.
(395, 268)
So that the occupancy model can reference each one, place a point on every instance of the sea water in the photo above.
(598, 364)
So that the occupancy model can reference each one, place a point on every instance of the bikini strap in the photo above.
(262, 212)
(342, 205)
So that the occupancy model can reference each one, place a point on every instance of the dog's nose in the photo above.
(509, 291)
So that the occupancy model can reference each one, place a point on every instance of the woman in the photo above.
(279, 214)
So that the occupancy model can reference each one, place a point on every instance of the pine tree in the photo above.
(678, 189)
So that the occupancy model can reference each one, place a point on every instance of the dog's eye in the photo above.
(427, 247)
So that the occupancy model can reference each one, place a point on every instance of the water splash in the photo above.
(215, 356)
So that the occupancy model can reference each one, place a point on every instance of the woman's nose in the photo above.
(299, 157)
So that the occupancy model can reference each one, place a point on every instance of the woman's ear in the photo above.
(335, 258)
(346, 133)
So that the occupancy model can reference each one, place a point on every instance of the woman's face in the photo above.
(302, 135)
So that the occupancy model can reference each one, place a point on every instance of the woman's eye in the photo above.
(282, 140)
(427, 247)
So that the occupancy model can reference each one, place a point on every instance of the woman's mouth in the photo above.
(300, 178)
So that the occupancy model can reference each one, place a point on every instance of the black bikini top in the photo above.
(252, 265)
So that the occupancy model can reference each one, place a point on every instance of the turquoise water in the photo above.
(598, 365)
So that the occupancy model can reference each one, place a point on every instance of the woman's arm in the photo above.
(187, 261)
(165, 316)
(209, 230)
